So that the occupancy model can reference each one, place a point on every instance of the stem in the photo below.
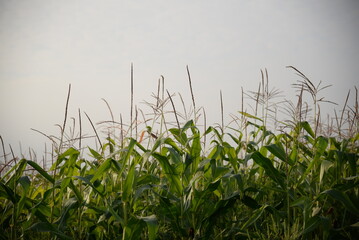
(220, 93)
(190, 86)
(174, 109)
(65, 119)
(131, 115)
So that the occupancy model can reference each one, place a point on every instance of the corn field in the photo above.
(172, 177)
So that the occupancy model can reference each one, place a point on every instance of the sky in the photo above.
(47, 45)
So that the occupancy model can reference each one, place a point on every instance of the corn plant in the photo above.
(165, 178)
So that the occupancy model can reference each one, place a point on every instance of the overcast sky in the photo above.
(46, 45)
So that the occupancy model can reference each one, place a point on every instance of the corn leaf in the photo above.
(102, 169)
(250, 116)
(129, 182)
(254, 217)
(152, 226)
(344, 199)
(278, 151)
(170, 172)
(272, 172)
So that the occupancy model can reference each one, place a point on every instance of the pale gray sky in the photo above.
(45, 45)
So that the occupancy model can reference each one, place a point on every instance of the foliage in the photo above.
(250, 183)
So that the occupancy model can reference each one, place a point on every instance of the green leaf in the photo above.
(352, 158)
(47, 227)
(128, 154)
(44, 211)
(78, 194)
(311, 224)
(302, 202)
(65, 182)
(69, 204)
(19, 169)
(179, 135)
(219, 172)
(41, 171)
(344, 199)
(129, 182)
(222, 206)
(320, 145)
(95, 154)
(9, 193)
(250, 202)
(170, 172)
(175, 156)
(278, 151)
(254, 217)
(239, 181)
(25, 183)
(307, 128)
(324, 166)
(141, 190)
(115, 215)
(69, 152)
(152, 226)
(213, 186)
(102, 169)
(42, 227)
(196, 146)
(87, 181)
(272, 172)
(250, 116)
(170, 142)
(187, 125)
